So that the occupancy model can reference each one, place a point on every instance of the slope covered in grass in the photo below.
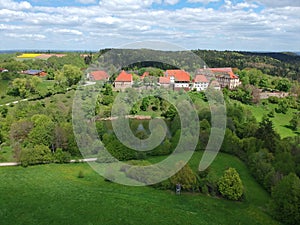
(53, 194)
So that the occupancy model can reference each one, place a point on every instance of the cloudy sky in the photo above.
(260, 25)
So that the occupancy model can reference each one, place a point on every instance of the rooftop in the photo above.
(124, 77)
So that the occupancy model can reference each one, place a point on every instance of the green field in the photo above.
(53, 194)
(280, 121)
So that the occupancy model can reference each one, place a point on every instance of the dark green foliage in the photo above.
(286, 200)
(266, 133)
(283, 107)
(284, 85)
(186, 177)
(295, 122)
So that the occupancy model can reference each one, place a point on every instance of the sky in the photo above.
(245, 25)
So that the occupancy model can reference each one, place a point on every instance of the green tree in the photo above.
(42, 131)
(35, 155)
(286, 200)
(72, 74)
(230, 185)
(186, 177)
(267, 133)
(284, 85)
(295, 122)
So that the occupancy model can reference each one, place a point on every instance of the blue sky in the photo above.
(256, 25)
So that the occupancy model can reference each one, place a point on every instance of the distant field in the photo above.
(280, 121)
(53, 194)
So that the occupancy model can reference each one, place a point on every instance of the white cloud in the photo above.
(203, 1)
(127, 5)
(277, 3)
(86, 1)
(9, 4)
(116, 22)
(26, 36)
(171, 2)
(66, 31)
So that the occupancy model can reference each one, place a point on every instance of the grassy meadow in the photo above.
(53, 194)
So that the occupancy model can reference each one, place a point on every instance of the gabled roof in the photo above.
(200, 79)
(179, 75)
(164, 80)
(224, 71)
(146, 74)
(124, 77)
(99, 75)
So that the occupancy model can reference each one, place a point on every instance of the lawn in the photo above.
(53, 194)
(280, 121)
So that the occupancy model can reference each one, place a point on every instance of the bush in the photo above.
(62, 157)
(80, 174)
(185, 177)
(230, 185)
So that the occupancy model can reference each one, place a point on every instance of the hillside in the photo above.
(53, 194)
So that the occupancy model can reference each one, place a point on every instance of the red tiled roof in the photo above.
(180, 75)
(200, 79)
(164, 80)
(226, 70)
(146, 74)
(124, 77)
(99, 75)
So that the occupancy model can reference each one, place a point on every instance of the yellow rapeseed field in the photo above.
(28, 55)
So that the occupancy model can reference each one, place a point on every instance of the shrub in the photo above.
(185, 177)
(80, 174)
(230, 185)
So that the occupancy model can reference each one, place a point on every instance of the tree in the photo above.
(35, 155)
(230, 185)
(267, 133)
(42, 131)
(295, 122)
(72, 73)
(185, 177)
(283, 107)
(284, 85)
(286, 200)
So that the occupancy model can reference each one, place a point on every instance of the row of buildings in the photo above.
(178, 79)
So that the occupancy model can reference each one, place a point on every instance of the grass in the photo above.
(280, 121)
(53, 194)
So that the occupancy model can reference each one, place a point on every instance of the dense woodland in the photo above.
(40, 130)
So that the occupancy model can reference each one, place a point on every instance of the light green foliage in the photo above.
(230, 185)
(286, 200)
(69, 75)
(23, 86)
(43, 130)
(35, 155)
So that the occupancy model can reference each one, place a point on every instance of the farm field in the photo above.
(53, 194)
